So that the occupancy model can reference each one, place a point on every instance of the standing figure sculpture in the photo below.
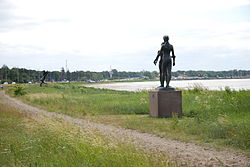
(45, 73)
(165, 64)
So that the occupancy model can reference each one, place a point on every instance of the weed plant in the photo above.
(19, 90)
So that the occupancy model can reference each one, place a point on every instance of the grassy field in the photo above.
(44, 141)
(215, 118)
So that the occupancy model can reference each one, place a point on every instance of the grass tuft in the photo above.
(19, 90)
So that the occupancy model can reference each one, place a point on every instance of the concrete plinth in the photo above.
(165, 103)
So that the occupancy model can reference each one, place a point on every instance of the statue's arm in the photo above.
(46, 73)
(158, 54)
(157, 57)
(173, 56)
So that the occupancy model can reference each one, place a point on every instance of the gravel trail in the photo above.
(185, 154)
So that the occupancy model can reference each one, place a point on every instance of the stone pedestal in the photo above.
(165, 103)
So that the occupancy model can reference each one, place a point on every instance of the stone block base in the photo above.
(165, 103)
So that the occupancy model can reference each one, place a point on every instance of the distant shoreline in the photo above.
(211, 84)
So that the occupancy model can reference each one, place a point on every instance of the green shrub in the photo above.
(19, 90)
(197, 88)
(228, 89)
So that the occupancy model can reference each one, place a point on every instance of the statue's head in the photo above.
(165, 38)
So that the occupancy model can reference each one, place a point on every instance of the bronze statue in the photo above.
(165, 64)
(45, 73)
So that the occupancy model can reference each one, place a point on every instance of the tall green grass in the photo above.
(222, 115)
(78, 100)
(49, 142)
(218, 117)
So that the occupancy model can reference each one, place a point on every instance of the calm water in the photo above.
(219, 84)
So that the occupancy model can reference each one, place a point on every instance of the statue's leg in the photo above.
(163, 73)
(167, 82)
(161, 79)
(42, 82)
(168, 73)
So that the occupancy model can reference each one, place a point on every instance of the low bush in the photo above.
(19, 90)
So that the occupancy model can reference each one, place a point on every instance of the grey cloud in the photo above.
(5, 4)
(62, 20)
(209, 58)
(195, 59)
(11, 46)
(9, 21)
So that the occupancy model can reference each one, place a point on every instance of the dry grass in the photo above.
(43, 95)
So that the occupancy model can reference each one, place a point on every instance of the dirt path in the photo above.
(186, 154)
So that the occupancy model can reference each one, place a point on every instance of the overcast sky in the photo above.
(124, 34)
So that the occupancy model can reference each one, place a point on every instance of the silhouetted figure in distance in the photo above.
(45, 73)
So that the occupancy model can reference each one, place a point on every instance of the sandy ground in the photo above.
(185, 154)
(215, 84)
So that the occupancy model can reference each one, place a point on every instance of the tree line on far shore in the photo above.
(22, 75)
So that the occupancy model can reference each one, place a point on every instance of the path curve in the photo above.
(186, 154)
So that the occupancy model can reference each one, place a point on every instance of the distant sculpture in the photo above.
(45, 73)
(165, 64)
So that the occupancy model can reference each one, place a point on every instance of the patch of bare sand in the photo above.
(185, 154)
